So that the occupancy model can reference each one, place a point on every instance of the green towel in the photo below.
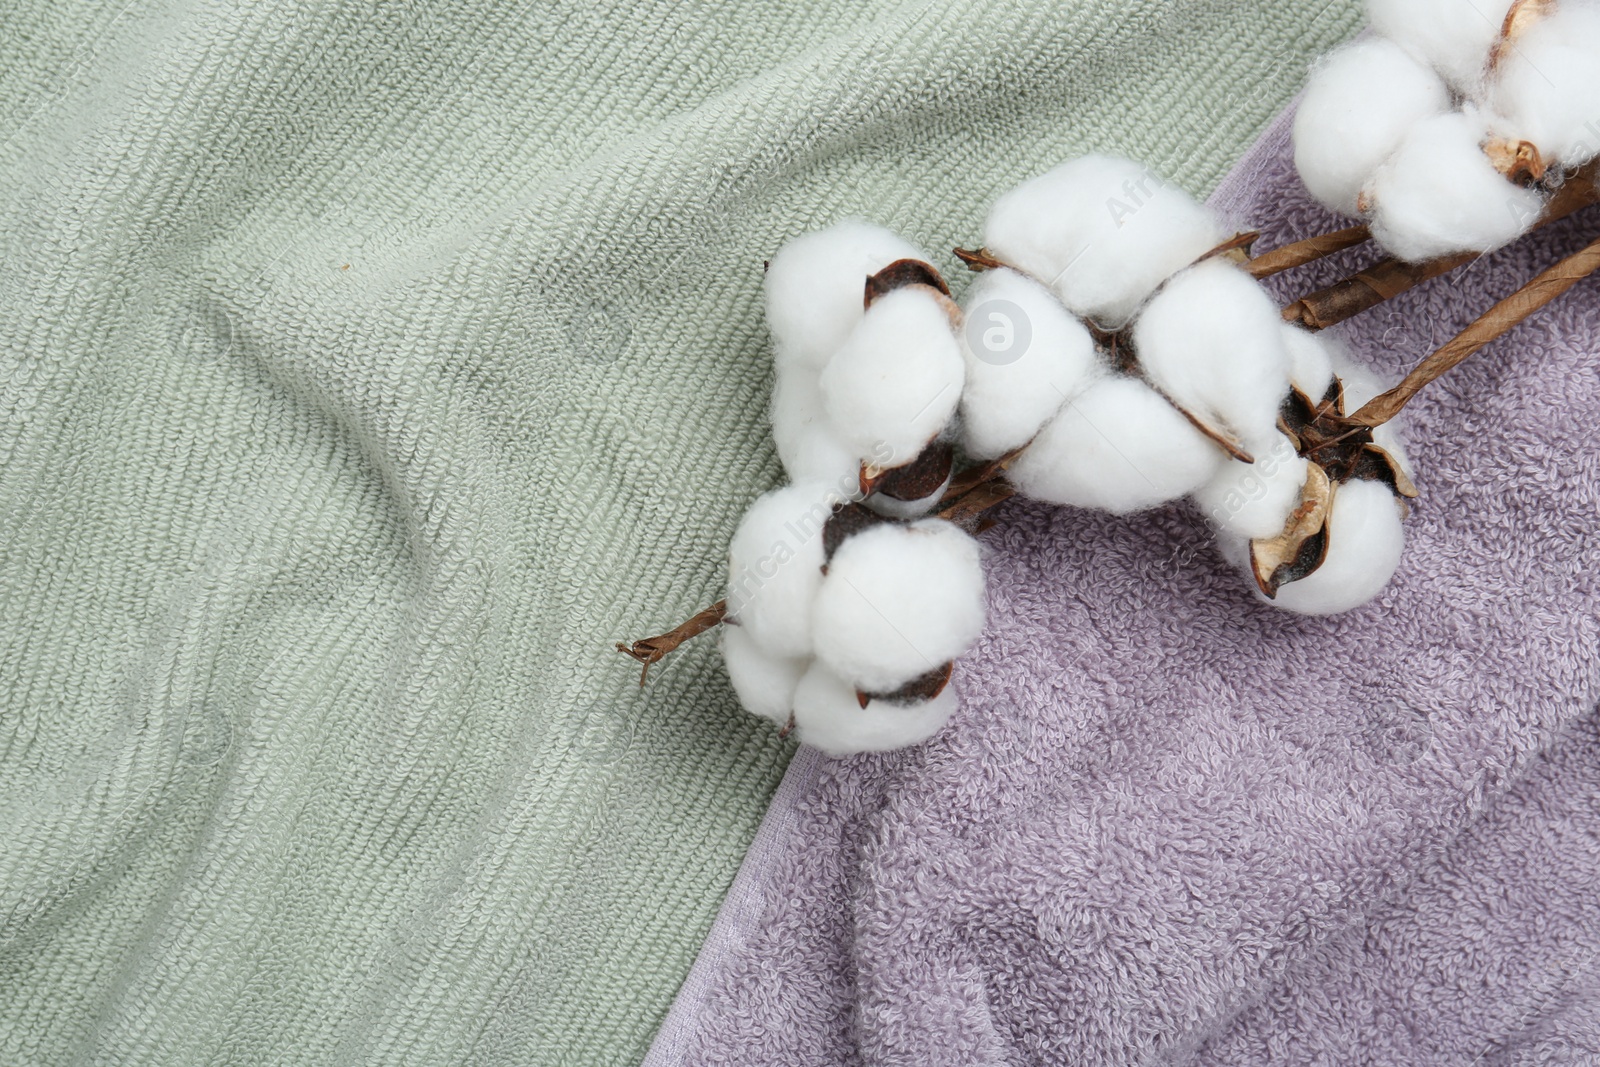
(367, 370)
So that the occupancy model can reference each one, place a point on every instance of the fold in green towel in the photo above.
(365, 371)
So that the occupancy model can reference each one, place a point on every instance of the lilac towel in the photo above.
(1173, 825)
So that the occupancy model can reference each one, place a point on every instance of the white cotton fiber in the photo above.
(1365, 538)
(1358, 105)
(1310, 364)
(1547, 88)
(830, 717)
(763, 682)
(896, 380)
(1439, 194)
(1255, 499)
(1102, 231)
(1117, 446)
(1026, 355)
(897, 602)
(809, 446)
(1454, 37)
(816, 284)
(1212, 340)
(775, 566)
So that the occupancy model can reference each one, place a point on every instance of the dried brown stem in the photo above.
(1236, 248)
(1299, 253)
(1543, 288)
(977, 490)
(1390, 277)
(972, 477)
(976, 501)
(1233, 448)
(649, 650)
(977, 259)
(1366, 289)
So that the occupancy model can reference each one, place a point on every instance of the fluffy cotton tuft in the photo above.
(816, 283)
(808, 444)
(1255, 499)
(897, 602)
(1357, 107)
(1310, 364)
(775, 566)
(1455, 37)
(1102, 232)
(1212, 340)
(1365, 538)
(1118, 446)
(830, 717)
(896, 380)
(1026, 355)
(1439, 194)
(764, 683)
(1547, 88)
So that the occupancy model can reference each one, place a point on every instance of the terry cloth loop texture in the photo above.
(365, 372)
(1171, 824)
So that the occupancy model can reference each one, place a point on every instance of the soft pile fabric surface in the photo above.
(365, 371)
(1170, 824)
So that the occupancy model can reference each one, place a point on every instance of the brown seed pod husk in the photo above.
(922, 688)
(846, 521)
(920, 478)
(1303, 544)
(1522, 16)
(898, 275)
(1375, 463)
(1519, 161)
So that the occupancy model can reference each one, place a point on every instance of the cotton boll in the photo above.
(1255, 499)
(1358, 105)
(764, 683)
(809, 446)
(830, 717)
(1102, 232)
(897, 602)
(1117, 446)
(1547, 88)
(1439, 194)
(775, 566)
(1310, 364)
(1455, 37)
(896, 380)
(1365, 538)
(1360, 385)
(1212, 340)
(816, 283)
(1026, 355)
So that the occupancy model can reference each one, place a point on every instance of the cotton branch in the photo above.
(649, 650)
(1544, 287)
(1389, 277)
(1299, 253)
